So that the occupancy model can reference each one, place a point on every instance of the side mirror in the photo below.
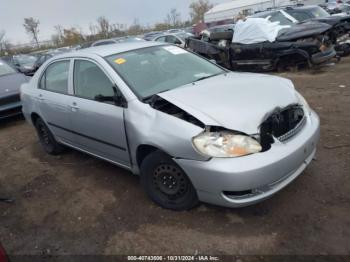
(116, 99)
(119, 100)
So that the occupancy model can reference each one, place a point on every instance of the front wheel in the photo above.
(46, 138)
(166, 183)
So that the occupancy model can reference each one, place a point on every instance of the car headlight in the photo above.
(225, 144)
(304, 103)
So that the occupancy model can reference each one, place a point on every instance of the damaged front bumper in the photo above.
(244, 181)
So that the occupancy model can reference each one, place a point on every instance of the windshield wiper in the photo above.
(206, 77)
(153, 97)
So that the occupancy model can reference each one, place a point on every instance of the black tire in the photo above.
(47, 140)
(166, 183)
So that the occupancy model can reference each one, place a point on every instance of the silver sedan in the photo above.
(192, 130)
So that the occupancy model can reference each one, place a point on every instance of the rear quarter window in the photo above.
(55, 77)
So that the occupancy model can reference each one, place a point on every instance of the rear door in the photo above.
(98, 126)
(54, 99)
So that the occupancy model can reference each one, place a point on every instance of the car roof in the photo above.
(302, 7)
(107, 50)
(285, 8)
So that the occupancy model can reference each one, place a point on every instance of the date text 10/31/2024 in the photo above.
(173, 258)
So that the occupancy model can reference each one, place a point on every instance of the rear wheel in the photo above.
(166, 183)
(46, 138)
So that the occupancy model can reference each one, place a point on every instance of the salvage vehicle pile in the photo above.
(277, 40)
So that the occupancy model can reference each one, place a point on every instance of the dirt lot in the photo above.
(75, 204)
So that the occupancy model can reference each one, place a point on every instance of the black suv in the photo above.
(298, 14)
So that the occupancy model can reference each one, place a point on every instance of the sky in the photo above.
(81, 13)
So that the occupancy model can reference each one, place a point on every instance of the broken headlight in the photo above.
(225, 144)
(304, 103)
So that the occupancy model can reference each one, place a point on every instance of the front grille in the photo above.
(282, 124)
(9, 99)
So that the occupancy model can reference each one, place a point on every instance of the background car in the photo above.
(126, 39)
(43, 57)
(10, 83)
(151, 35)
(176, 39)
(339, 33)
(291, 15)
(298, 45)
(25, 64)
(205, 34)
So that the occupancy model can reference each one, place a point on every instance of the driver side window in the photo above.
(90, 81)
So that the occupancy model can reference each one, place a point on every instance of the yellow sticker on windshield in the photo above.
(120, 61)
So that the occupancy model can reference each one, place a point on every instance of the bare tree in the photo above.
(2, 39)
(2, 35)
(198, 9)
(104, 26)
(173, 18)
(32, 28)
(59, 32)
(135, 28)
(92, 29)
(72, 36)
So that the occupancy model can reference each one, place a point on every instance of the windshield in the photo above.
(276, 16)
(344, 8)
(280, 17)
(5, 69)
(309, 13)
(154, 70)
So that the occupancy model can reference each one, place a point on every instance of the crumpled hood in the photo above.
(236, 101)
(303, 30)
(10, 84)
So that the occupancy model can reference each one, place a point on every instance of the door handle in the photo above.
(41, 98)
(75, 106)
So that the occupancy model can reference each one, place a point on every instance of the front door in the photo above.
(98, 126)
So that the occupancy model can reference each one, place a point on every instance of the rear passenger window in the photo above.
(55, 78)
(161, 39)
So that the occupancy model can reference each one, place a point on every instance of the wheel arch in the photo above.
(143, 151)
(34, 117)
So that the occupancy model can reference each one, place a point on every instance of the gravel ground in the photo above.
(75, 204)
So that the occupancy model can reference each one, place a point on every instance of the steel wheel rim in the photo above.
(170, 182)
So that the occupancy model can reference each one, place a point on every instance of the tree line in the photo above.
(102, 28)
